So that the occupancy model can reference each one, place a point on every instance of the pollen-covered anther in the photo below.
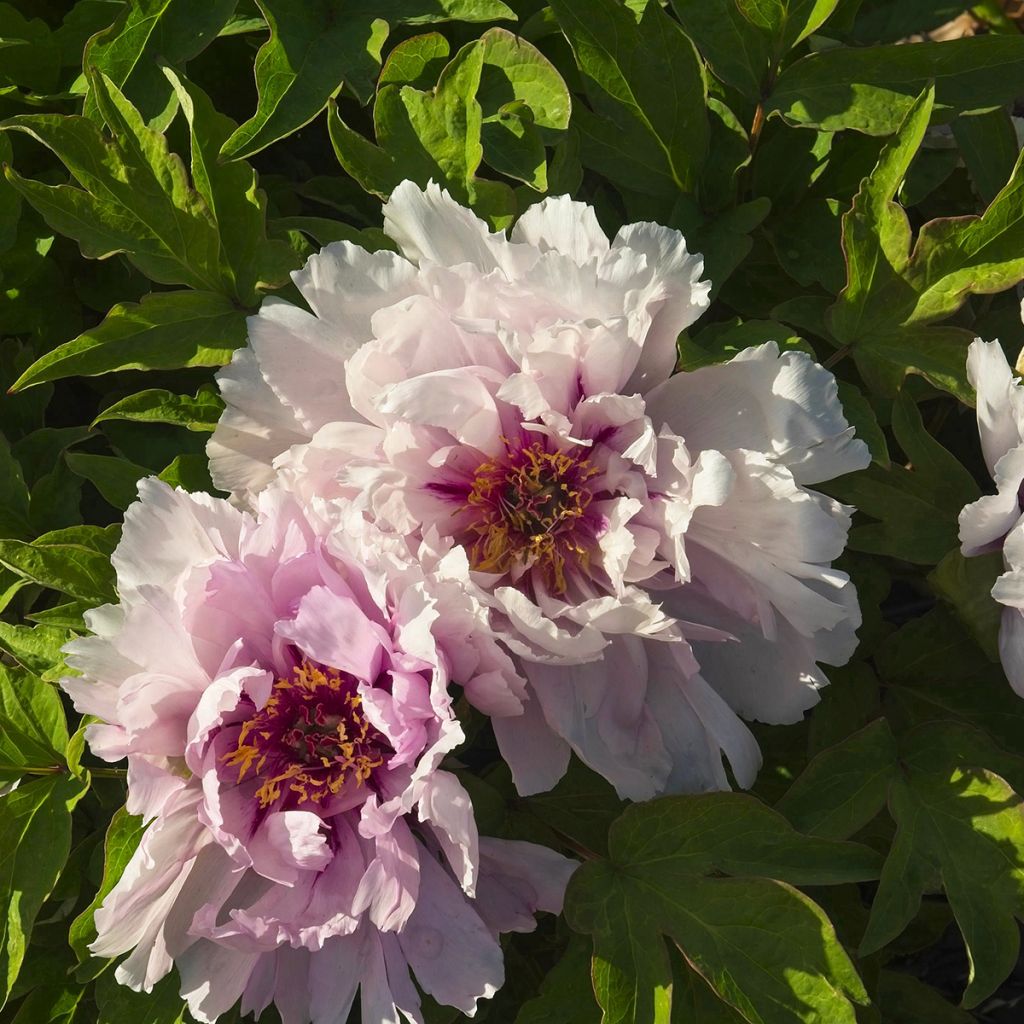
(309, 740)
(529, 508)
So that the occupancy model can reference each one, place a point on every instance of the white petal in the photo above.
(600, 710)
(255, 427)
(346, 285)
(1000, 400)
(784, 406)
(429, 225)
(675, 298)
(562, 224)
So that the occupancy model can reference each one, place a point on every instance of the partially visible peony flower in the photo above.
(514, 397)
(279, 686)
(994, 522)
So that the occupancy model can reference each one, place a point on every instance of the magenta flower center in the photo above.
(309, 740)
(530, 506)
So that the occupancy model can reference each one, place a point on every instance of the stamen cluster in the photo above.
(311, 735)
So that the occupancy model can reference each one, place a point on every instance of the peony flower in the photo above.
(279, 685)
(646, 546)
(994, 522)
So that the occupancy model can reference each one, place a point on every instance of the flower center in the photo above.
(530, 509)
(309, 739)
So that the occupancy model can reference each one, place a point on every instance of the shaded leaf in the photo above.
(665, 877)
(315, 45)
(873, 89)
(843, 787)
(957, 817)
(147, 33)
(648, 127)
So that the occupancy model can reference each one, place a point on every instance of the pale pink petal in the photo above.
(453, 954)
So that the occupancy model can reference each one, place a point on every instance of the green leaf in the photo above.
(417, 62)
(956, 817)
(565, 994)
(123, 836)
(35, 838)
(902, 999)
(117, 479)
(917, 508)
(966, 583)
(50, 1004)
(36, 649)
(894, 293)
(119, 1005)
(647, 128)
(739, 53)
(436, 134)
(989, 147)
(873, 89)
(135, 196)
(14, 509)
(148, 33)
(190, 472)
(33, 730)
(743, 40)
(237, 206)
(75, 561)
(934, 671)
(844, 787)
(513, 147)
(665, 876)
(156, 405)
(428, 135)
(515, 70)
(315, 45)
(861, 416)
(165, 331)
(581, 806)
(31, 56)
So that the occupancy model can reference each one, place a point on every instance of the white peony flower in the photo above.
(646, 546)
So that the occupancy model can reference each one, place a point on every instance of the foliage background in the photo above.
(850, 170)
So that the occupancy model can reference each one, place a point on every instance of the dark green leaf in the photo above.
(115, 478)
(648, 127)
(35, 838)
(966, 583)
(958, 817)
(237, 206)
(565, 995)
(120, 1005)
(315, 45)
(844, 787)
(989, 147)
(148, 33)
(873, 89)
(665, 877)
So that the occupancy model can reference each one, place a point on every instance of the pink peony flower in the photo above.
(646, 546)
(279, 686)
(996, 521)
